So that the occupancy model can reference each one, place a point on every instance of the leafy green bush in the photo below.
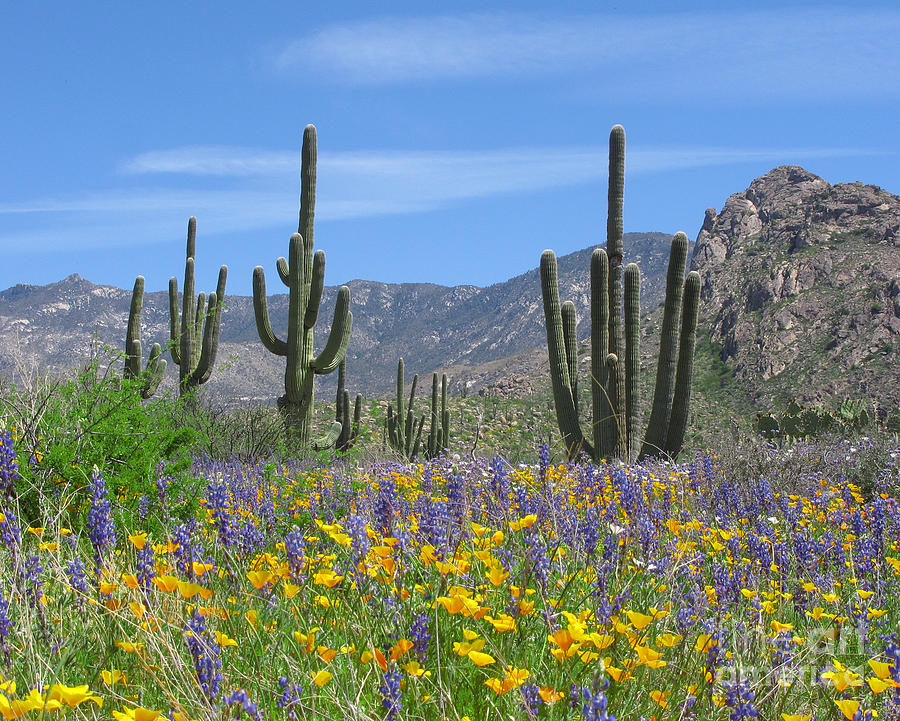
(96, 419)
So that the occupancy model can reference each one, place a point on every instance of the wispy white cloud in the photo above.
(824, 52)
(350, 184)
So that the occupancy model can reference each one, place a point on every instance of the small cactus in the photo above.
(349, 428)
(195, 333)
(404, 432)
(156, 366)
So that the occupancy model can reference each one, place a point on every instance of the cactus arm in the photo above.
(409, 427)
(174, 321)
(336, 346)
(682, 397)
(260, 308)
(187, 321)
(283, 272)
(434, 433)
(133, 333)
(357, 416)
(417, 444)
(566, 414)
(391, 426)
(329, 439)
(400, 417)
(615, 391)
(197, 333)
(657, 426)
(632, 357)
(156, 369)
(599, 349)
(210, 345)
(317, 283)
(445, 415)
(570, 342)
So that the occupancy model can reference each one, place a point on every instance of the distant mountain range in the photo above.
(801, 297)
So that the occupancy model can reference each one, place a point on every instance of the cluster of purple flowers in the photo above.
(100, 525)
(9, 469)
(290, 697)
(739, 699)
(240, 698)
(391, 693)
(205, 654)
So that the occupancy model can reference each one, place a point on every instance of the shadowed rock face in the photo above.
(800, 286)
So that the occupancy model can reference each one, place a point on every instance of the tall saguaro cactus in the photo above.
(615, 346)
(304, 275)
(156, 366)
(195, 333)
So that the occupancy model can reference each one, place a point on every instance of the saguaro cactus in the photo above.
(349, 429)
(195, 358)
(156, 366)
(304, 275)
(404, 432)
(615, 384)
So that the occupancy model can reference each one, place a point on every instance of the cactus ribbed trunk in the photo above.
(657, 426)
(684, 375)
(615, 251)
(632, 357)
(600, 405)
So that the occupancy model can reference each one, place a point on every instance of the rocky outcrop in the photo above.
(800, 287)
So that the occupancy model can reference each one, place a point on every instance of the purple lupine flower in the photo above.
(290, 697)
(10, 533)
(531, 699)
(391, 694)
(146, 567)
(594, 708)
(77, 580)
(739, 699)
(218, 501)
(543, 462)
(6, 625)
(293, 549)
(240, 698)
(385, 506)
(420, 635)
(143, 507)
(9, 468)
(34, 584)
(205, 654)
(100, 525)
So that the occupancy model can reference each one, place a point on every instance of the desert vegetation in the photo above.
(163, 557)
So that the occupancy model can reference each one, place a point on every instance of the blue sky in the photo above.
(453, 146)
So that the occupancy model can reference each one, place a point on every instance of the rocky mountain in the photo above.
(801, 287)
(801, 298)
(52, 327)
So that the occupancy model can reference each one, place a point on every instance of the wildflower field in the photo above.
(454, 589)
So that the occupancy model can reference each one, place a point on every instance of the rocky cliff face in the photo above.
(801, 287)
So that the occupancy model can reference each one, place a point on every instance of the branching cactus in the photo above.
(349, 428)
(304, 275)
(156, 366)
(195, 333)
(615, 344)
(404, 431)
